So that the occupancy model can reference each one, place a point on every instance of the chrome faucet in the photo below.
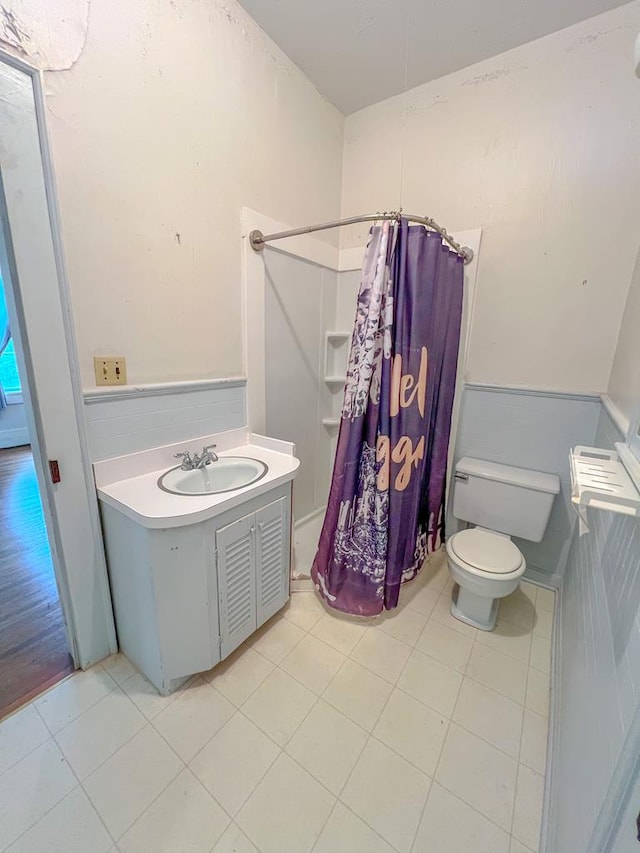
(208, 455)
(189, 463)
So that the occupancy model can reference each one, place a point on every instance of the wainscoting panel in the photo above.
(599, 675)
(125, 421)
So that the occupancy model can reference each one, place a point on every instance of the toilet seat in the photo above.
(485, 553)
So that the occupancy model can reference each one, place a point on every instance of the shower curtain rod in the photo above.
(258, 239)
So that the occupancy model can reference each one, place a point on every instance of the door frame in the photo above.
(78, 557)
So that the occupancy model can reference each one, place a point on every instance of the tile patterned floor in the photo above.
(411, 733)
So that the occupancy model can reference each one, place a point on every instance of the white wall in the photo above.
(539, 147)
(624, 382)
(172, 115)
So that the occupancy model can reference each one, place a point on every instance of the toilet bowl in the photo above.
(486, 566)
(500, 501)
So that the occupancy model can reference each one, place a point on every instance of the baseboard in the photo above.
(304, 584)
(537, 576)
(14, 437)
(309, 516)
(550, 797)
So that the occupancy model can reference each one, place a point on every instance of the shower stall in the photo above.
(300, 299)
(308, 318)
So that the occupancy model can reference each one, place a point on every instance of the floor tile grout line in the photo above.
(480, 737)
(438, 660)
(52, 737)
(302, 628)
(488, 634)
(104, 761)
(297, 643)
(379, 740)
(173, 778)
(336, 799)
(186, 763)
(26, 754)
(435, 772)
(253, 790)
(412, 649)
(317, 699)
(149, 722)
(53, 687)
(171, 697)
(79, 674)
(494, 691)
(474, 809)
(422, 702)
(350, 774)
(171, 781)
(91, 803)
(372, 828)
(317, 639)
(77, 786)
(442, 663)
(246, 699)
(515, 799)
(432, 782)
(370, 735)
(484, 740)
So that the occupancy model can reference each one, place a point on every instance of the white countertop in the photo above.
(141, 499)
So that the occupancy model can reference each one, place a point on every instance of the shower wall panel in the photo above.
(300, 307)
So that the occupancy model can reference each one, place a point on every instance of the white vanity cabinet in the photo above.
(186, 597)
(252, 584)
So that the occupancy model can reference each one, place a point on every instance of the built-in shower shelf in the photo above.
(336, 356)
(331, 422)
(599, 479)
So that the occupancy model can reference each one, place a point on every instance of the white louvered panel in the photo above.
(272, 563)
(236, 582)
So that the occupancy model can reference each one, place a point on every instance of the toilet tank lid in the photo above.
(535, 480)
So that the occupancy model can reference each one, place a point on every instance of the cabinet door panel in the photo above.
(272, 558)
(236, 582)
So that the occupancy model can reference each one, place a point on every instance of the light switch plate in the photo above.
(110, 370)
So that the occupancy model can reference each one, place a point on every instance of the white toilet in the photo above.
(501, 501)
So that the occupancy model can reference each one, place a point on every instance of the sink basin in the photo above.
(225, 475)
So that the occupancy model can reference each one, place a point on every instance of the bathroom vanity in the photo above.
(192, 576)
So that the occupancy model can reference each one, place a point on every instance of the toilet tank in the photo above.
(511, 500)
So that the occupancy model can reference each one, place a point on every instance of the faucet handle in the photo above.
(208, 447)
(184, 455)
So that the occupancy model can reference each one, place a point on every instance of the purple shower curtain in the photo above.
(386, 503)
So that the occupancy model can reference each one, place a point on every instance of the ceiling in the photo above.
(358, 52)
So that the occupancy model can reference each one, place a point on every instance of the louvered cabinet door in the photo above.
(235, 551)
(272, 558)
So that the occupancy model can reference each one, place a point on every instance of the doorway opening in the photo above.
(37, 300)
(33, 642)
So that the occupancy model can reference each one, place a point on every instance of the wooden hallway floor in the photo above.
(33, 647)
